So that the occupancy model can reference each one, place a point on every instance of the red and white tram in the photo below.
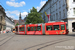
(53, 28)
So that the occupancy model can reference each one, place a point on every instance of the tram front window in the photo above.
(16, 29)
(62, 27)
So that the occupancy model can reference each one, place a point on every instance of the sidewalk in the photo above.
(72, 34)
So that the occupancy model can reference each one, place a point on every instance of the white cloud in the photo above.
(14, 14)
(12, 0)
(24, 14)
(9, 15)
(41, 4)
(15, 4)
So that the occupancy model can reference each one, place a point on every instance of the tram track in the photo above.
(46, 44)
(6, 39)
(1, 39)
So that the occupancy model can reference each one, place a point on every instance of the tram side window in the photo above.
(62, 27)
(28, 28)
(34, 28)
(21, 28)
(48, 28)
(56, 27)
(38, 28)
(31, 28)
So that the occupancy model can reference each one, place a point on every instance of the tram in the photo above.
(53, 28)
(13, 30)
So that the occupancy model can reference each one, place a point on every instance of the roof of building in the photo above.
(2, 9)
(44, 5)
(10, 19)
(16, 20)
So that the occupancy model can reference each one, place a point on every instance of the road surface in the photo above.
(11, 41)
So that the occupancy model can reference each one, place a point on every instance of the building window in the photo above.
(59, 4)
(73, 0)
(60, 15)
(52, 17)
(64, 13)
(74, 11)
(56, 15)
(0, 18)
(64, 1)
(56, 6)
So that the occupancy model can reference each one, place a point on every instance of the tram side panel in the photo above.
(21, 30)
(34, 29)
(29, 29)
(57, 28)
(39, 29)
(49, 29)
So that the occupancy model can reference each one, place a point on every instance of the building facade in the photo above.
(60, 10)
(9, 24)
(2, 19)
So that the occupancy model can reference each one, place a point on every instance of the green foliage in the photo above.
(34, 17)
(16, 24)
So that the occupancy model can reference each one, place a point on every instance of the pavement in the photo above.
(11, 41)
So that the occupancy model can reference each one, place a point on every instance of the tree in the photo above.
(16, 24)
(34, 17)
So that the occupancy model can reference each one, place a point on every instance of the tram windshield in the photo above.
(62, 27)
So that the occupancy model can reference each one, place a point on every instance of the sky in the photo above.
(14, 7)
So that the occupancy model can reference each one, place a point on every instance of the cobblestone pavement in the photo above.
(11, 41)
